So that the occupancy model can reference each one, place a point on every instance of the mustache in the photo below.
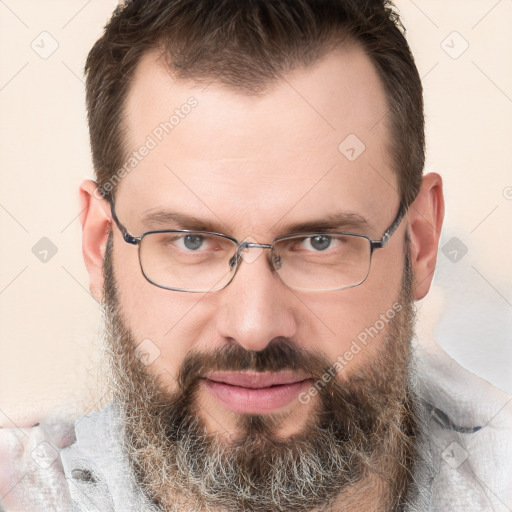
(279, 355)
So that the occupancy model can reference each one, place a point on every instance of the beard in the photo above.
(359, 440)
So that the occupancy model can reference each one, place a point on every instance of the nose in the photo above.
(256, 307)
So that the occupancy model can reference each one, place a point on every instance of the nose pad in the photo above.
(233, 262)
(276, 262)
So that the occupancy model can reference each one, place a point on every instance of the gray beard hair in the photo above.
(359, 441)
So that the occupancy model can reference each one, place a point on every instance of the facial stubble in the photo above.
(360, 433)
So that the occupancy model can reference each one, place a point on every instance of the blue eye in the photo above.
(193, 242)
(320, 242)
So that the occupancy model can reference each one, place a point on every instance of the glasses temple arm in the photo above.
(379, 244)
(126, 236)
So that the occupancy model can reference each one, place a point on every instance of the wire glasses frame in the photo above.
(235, 260)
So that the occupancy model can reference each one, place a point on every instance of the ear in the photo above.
(95, 220)
(425, 217)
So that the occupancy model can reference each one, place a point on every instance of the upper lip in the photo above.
(255, 380)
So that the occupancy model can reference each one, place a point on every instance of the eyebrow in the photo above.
(339, 221)
(159, 218)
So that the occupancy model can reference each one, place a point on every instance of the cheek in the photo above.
(351, 324)
(166, 324)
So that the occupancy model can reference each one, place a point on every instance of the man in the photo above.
(257, 233)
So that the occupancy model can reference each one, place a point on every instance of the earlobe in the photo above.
(426, 215)
(96, 222)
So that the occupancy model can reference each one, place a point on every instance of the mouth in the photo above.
(255, 392)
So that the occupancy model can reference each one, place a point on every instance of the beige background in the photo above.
(51, 326)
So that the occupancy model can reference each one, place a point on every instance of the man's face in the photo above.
(253, 166)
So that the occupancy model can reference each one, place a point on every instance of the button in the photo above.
(84, 475)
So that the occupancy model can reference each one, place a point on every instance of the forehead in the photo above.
(312, 144)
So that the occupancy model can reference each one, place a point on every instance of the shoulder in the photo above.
(470, 430)
(466, 398)
(31, 474)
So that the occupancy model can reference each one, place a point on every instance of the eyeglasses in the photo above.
(203, 261)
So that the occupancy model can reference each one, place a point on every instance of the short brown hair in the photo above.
(247, 45)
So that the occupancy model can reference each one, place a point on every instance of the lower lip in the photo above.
(255, 400)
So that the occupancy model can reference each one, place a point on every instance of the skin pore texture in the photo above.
(252, 166)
